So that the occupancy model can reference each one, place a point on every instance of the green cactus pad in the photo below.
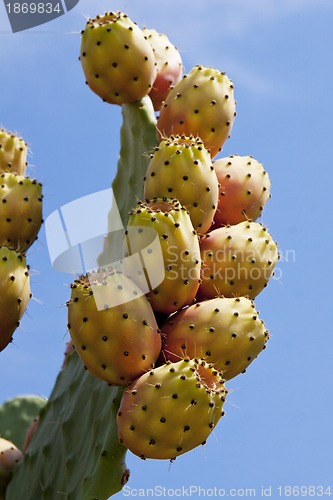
(17, 414)
(74, 453)
(138, 140)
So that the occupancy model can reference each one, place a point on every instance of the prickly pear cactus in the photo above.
(163, 408)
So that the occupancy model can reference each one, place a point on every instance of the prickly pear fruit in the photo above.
(117, 60)
(20, 210)
(181, 167)
(244, 189)
(10, 456)
(169, 66)
(179, 246)
(237, 260)
(120, 342)
(226, 332)
(14, 292)
(171, 410)
(202, 104)
(13, 153)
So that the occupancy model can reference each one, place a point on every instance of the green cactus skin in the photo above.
(138, 139)
(202, 104)
(16, 416)
(10, 456)
(226, 332)
(171, 410)
(14, 291)
(13, 153)
(237, 260)
(74, 452)
(181, 167)
(180, 250)
(117, 60)
(169, 66)
(20, 210)
(244, 189)
(120, 342)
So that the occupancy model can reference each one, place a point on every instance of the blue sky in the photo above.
(277, 430)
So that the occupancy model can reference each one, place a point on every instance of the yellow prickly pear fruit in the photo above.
(120, 341)
(181, 167)
(13, 153)
(172, 409)
(169, 66)
(14, 292)
(202, 104)
(10, 456)
(237, 260)
(117, 60)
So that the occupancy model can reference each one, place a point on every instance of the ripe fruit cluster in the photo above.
(175, 343)
(20, 221)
